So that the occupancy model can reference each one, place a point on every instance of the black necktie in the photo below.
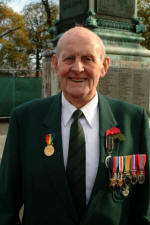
(76, 164)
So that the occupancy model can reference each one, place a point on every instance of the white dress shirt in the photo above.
(90, 124)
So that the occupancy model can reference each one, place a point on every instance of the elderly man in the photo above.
(77, 157)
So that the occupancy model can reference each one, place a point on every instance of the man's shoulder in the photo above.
(120, 103)
(123, 107)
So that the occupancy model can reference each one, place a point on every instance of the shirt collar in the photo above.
(89, 110)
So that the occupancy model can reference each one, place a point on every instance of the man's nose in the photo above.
(78, 66)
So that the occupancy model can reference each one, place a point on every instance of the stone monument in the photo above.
(116, 22)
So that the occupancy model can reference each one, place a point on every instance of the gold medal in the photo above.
(49, 150)
(113, 182)
(120, 182)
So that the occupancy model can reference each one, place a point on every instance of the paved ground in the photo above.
(3, 133)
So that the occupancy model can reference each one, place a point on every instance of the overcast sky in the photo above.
(18, 5)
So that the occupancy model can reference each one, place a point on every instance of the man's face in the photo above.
(79, 66)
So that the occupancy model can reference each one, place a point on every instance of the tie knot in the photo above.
(77, 114)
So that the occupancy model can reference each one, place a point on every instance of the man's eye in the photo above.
(87, 58)
(69, 58)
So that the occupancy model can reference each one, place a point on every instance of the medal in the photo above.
(133, 169)
(49, 149)
(107, 161)
(109, 144)
(121, 168)
(113, 181)
(112, 163)
(134, 178)
(113, 171)
(127, 178)
(120, 181)
(141, 165)
(125, 191)
(141, 178)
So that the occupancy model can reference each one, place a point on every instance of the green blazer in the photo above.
(29, 177)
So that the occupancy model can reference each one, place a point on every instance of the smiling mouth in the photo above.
(78, 80)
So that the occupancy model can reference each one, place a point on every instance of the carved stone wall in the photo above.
(116, 8)
(116, 22)
(128, 84)
(72, 8)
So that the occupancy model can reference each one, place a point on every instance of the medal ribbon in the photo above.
(115, 164)
(49, 139)
(109, 148)
(141, 162)
(121, 164)
(109, 144)
(127, 163)
(111, 166)
(133, 163)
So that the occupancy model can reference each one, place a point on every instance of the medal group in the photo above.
(126, 170)
(123, 170)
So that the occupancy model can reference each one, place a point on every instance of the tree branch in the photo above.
(9, 31)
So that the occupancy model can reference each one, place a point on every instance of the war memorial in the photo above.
(116, 22)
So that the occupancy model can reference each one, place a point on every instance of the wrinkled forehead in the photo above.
(82, 35)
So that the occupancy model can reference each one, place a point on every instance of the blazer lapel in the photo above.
(107, 121)
(55, 163)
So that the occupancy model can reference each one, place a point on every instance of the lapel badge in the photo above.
(111, 135)
(49, 149)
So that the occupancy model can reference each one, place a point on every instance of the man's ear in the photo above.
(55, 62)
(105, 66)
